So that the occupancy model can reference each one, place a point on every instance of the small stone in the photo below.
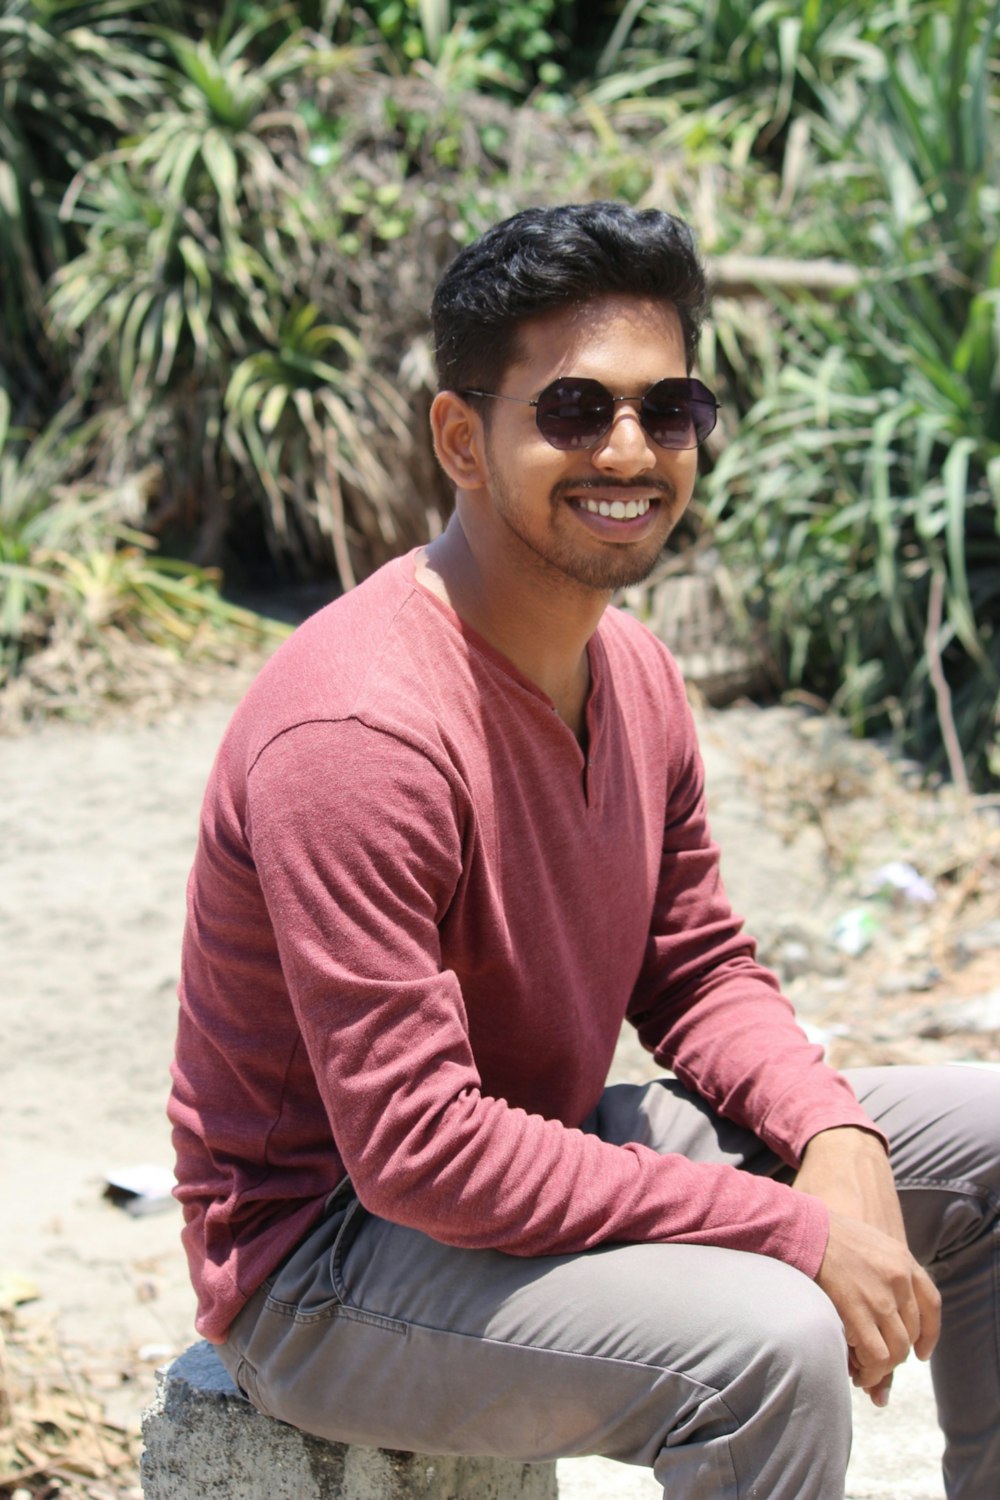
(909, 983)
(980, 1014)
(979, 940)
(793, 959)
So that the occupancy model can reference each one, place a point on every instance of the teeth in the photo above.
(617, 510)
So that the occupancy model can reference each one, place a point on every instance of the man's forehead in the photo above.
(578, 327)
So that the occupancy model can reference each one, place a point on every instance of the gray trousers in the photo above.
(724, 1372)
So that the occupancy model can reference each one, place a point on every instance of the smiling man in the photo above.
(454, 837)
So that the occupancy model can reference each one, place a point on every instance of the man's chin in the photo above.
(620, 569)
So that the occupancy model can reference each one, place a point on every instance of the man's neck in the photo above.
(538, 620)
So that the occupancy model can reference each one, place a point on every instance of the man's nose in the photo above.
(625, 447)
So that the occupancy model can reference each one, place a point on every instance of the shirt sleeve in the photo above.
(357, 840)
(708, 1010)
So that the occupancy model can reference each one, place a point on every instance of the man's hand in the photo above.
(886, 1301)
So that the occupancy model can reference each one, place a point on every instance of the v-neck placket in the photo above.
(590, 762)
(594, 769)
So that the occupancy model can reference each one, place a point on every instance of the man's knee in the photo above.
(942, 1121)
(778, 1420)
(769, 1337)
(806, 1344)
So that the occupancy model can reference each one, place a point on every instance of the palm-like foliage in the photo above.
(182, 222)
(863, 493)
(310, 427)
(215, 131)
(71, 73)
(273, 185)
(738, 69)
(196, 231)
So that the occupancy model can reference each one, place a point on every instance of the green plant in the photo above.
(72, 567)
(197, 234)
(508, 49)
(850, 487)
(183, 224)
(311, 429)
(859, 500)
(74, 77)
(743, 68)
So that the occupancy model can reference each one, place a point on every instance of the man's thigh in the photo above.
(944, 1127)
(665, 1116)
(685, 1358)
(673, 1356)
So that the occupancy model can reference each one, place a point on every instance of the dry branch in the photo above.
(755, 275)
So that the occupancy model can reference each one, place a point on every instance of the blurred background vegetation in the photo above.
(219, 232)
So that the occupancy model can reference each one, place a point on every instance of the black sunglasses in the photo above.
(577, 413)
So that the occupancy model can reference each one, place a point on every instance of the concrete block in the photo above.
(204, 1441)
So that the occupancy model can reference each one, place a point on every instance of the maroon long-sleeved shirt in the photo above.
(416, 919)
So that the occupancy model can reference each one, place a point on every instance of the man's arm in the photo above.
(705, 1008)
(702, 1003)
(886, 1301)
(358, 843)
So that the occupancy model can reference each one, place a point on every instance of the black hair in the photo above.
(548, 258)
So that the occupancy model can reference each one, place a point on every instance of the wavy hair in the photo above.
(548, 258)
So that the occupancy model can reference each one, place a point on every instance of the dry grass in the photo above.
(55, 1440)
(74, 678)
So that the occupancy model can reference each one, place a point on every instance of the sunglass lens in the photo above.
(704, 410)
(574, 413)
(678, 413)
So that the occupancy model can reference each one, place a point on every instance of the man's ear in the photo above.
(457, 430)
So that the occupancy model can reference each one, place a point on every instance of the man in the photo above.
(454, 835)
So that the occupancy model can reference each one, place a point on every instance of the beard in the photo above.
(557, 545)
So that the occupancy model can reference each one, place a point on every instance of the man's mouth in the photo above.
(615, 510)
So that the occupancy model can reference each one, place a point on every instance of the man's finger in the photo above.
(880, 1393)
(908, 1307)
(871, 1359)
(929, 1302)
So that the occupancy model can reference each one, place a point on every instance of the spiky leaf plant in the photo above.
(862, 494)
(72, 76)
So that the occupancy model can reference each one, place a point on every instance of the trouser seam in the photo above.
(961, 1185)
(607, 1359)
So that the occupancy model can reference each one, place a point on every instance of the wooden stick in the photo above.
(754, 275)
(942, 692)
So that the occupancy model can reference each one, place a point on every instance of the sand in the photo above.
(97, 830)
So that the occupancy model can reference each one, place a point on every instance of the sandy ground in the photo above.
(97, 827)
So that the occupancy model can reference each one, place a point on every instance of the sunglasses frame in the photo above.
(694, 393)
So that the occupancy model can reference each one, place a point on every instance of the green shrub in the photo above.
(72, 568)
(861, 496)
(72, 76)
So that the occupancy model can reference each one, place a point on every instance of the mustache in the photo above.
(625, 487)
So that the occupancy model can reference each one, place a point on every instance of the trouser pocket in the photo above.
(306, 1285)
(301, 1290)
